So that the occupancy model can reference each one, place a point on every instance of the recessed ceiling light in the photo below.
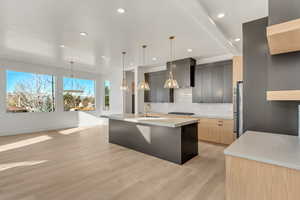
(62, 46)
(83, 34)
(121, 10)
(212, 21)
(189, 50)
(237, 39)
(154, 59)
(221, 15)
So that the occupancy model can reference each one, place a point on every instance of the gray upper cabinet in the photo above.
(198, 94)
(228, 77)
(157, 93)
(217, 82)
(213, 83)
(184, 72)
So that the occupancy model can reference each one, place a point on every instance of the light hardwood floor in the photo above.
(79, 163)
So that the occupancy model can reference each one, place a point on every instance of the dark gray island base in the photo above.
(175, 144)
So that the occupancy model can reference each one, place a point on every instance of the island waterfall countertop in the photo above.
(275, 149)
(156, 121)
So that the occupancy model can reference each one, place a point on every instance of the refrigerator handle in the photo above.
(238, 106)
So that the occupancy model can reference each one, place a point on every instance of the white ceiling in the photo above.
(236, 13)
(33, 30)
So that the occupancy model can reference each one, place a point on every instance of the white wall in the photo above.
(128, 95)
(16, 123)
(116, 95)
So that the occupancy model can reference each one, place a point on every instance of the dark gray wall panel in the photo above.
(283, 10)
(264, 72)
(255, 73)
(284, 71)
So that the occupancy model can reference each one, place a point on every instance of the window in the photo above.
(106, 95)
(28, 92)
(79, 94)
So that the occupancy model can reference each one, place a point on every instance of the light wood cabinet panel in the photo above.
(249, 180)
(227, 135)
(283, 95)
(217, 131)
(207, 130)
(210, 130)
(203, 132)
(284, 37)
(237, 69)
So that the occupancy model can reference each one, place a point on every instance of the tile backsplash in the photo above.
(183, 103)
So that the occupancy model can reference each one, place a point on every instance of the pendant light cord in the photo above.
(72, 75)
(171, 54)
(71, 69)
(123, 61)
(144, 54)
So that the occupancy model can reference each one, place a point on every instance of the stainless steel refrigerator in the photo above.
(238, 109)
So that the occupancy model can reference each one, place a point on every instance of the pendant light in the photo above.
(73, 90)
(144, 85)
(124, 85)
(171, 83)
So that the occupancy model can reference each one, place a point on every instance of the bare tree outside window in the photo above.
(29, 92)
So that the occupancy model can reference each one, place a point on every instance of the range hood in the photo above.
(184, 72)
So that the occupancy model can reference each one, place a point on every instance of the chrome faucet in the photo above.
(147, 109)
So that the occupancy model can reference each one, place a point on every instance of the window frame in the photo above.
(107, 108)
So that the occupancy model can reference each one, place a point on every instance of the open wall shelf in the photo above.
(283, 95)
(284, 37)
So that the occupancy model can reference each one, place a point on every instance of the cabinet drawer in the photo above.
(208, 121)
(216, 130)
(207, 130)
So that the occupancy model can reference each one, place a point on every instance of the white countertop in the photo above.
(275, 149)
(210, 116)
(213, 116)
(156, 121)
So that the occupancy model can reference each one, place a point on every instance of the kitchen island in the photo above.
(174, 140)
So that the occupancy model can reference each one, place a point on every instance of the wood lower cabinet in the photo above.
(210, 130)
(227, 135)
(253, 180)
(215, 130)
(207, 130)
